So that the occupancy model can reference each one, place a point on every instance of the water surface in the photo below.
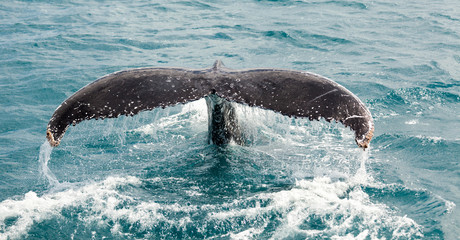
(155, 176)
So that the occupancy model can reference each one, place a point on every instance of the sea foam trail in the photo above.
(313, 208)
(18, 216)
(43, 159)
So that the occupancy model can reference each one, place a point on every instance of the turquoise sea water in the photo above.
(154, 175)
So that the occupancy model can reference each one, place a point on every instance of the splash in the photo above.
(361, 176)
(17, 217)
(317, 208)
(328, 199)
(43, 159)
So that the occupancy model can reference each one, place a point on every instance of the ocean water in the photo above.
(153, 176)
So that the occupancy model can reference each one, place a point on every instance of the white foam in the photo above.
(247, 234)
(430, 138)
(411, 122)
(339, 206)
(342, 208)
(34, 209)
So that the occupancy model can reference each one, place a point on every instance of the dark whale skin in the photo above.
(289, 92)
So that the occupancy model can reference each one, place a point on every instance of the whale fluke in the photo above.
(291, 93)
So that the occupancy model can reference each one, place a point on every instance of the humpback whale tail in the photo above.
(291, 93)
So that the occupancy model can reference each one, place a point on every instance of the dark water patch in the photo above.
(49, 28)
(145, 45)
(314, 222)
(389, 101)
(156, 6)
(7, 52)
(450, 83)
(342, 4)
(229, 55)
(306, 40)
(371, 63)
(304, 63)
(164, 9)
(237, 27)
(242, 28)
(449, 34)
(457, 58)
(283, 24)
(321, 38)
(285, 37)
(14, 65)
(277, 35)
(280, 2)
(222, 26)
(10, 221)
(350, 4)
(26, 28)
(197, 5)
(445, 16)
(221, 35)
(196, 37)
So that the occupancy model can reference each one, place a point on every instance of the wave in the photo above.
(319, 207)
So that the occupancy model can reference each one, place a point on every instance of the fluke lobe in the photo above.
(291, 93)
